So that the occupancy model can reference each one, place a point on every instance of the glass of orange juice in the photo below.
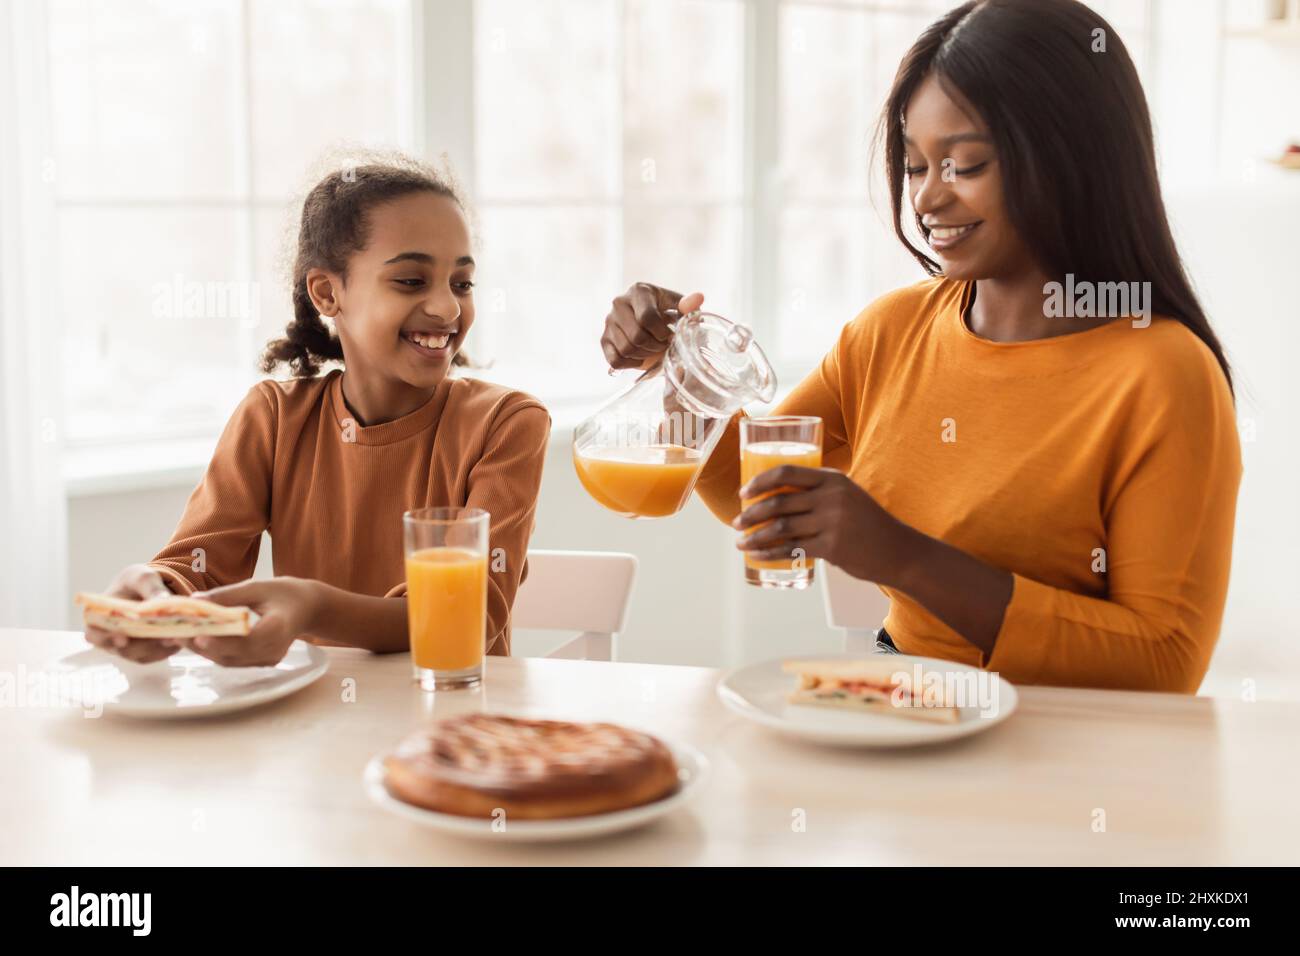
(766, 443)
(446, 594)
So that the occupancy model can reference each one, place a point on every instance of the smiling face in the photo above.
(955, 186)
(407, 302)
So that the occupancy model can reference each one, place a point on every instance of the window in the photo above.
(609, 149)
(837, 250)
(719, 145)
(182, 131)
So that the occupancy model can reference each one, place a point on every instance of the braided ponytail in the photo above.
(306, 342)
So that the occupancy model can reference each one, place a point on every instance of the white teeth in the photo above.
(429, 341)
(950, 232)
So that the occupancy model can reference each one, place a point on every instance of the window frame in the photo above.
(249, 204)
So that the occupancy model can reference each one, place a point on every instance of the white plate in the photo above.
(759, 691)
(183, 685)
(692, 770)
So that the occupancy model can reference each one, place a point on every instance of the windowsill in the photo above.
(173, 463)
(150, 465)
(138, 466)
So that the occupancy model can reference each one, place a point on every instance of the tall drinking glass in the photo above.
(764, 444)
(446, 594)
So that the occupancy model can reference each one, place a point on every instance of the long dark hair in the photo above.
(1073, 139)
(332, 228)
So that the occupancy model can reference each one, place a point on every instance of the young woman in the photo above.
(328, 463)
(1042, 487)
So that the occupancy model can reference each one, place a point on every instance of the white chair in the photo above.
(856, 606)
(584, 591)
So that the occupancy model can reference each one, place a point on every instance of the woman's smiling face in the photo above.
(408, 301)
(955, 186)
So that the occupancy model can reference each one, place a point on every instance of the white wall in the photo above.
(1239, 246)
(108, 531)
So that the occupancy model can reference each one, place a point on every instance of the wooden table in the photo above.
(1180, 780)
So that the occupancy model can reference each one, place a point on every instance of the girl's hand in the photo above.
(636, 329)
(822, 512)
(287, 608)
(135, 582)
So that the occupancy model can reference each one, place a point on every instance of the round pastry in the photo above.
(479, 764)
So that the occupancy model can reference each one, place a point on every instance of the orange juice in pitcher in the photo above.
(647, 481)
(641, 454)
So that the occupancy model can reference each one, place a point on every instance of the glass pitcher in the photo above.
(640, 455)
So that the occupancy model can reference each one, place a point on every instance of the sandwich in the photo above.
(880, 685)
(171, 615)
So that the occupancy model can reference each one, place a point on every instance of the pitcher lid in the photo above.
(722, 356)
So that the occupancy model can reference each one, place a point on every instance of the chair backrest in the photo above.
(584, 591)
(857, 607)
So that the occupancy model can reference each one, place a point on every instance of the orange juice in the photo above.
(446, 603)
(642, 482)
(757, 458)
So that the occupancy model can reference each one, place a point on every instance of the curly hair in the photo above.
(333, 227)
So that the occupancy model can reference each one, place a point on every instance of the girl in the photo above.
(328, 463)
(1041, 488)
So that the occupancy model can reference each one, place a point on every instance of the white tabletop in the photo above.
(1175, 780)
